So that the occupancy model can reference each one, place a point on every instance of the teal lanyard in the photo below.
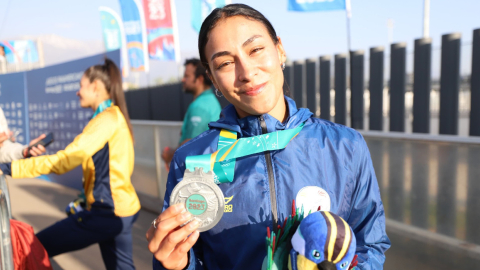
(102, 107)
(222, 161)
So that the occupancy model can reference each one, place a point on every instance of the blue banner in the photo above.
(202, 8)
(316, 5)
(44, 100)
(112, 35)
(134, 26)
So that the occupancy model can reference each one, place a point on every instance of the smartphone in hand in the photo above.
(44, 142)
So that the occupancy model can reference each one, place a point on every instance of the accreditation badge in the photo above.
(201, 197)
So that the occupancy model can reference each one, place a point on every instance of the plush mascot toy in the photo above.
(323, 241)
(320, 241)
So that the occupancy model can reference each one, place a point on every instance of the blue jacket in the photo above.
(327, 155)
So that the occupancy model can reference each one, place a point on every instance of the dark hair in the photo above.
(226, 12)
(199, 70)
(110, 76)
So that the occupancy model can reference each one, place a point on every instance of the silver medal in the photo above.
(201, 197)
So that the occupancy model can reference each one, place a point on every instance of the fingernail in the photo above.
(194, 224)
(186, 216)
(180, 208)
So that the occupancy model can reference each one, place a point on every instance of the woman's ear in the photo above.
(282, 56)
(212, 79)
(98, 87)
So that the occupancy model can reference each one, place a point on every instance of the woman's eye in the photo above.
(224, 64)
(257, 50)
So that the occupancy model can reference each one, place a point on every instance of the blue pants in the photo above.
(112, 233)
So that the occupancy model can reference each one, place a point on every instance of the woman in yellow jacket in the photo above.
(105, 151)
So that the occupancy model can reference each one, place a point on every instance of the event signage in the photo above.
(136, 38)
(200, 9)
(160, 25)
(44, 100)
(114, 35)
(12, 102)
(316, 5)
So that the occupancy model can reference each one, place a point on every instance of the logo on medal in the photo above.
(312, 199)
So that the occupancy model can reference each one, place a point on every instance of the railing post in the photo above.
(475, 86)
(325, 87)
(450, 83)
(311, 85)
(357, 88)
(299, 83)
(375, 86)
(340, 88)
(397, 86)
(422, 85)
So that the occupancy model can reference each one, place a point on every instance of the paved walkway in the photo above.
(41, 203)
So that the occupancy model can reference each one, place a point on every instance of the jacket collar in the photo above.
(250, 125)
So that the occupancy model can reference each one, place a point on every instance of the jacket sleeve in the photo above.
(367, 216)
(10, 151)
(91, 140)
(195, 254)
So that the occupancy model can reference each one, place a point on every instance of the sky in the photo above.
(304, 35)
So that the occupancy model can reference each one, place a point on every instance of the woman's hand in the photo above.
(36, 150)
(169, 242)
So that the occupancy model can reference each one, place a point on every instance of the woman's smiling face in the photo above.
(245, 65)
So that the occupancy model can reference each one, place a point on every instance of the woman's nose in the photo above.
(246, 70)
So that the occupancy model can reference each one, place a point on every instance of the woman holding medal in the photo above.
(105, 151)
(318, 163)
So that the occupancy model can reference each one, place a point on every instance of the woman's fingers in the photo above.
(176, 244)
(170, 212)
(182, 248)
(166, 227)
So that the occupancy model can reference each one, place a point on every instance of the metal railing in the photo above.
(150, 174)
(5, 240)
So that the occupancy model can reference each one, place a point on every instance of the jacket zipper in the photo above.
(271, 179)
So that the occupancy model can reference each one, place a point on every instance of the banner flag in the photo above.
(316, 5)
(135, 34)
(114, 35)
(200, 9)
(21, 51)
(161, 29)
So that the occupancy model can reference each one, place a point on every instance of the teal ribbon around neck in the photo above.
(222, 161)
(102, 107)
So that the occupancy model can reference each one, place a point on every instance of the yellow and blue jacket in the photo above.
(105, 151)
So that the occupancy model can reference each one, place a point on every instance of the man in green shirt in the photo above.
(204, 109)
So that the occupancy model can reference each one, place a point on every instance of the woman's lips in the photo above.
(253, 91)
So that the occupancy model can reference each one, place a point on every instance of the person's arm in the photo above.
(193, 258)
(10, 151)
(91, 140)
(367, 216)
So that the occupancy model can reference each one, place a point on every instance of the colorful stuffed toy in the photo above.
(322, 241)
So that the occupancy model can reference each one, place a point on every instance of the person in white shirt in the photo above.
(11, 150)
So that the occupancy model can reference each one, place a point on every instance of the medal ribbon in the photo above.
(222, 161)
(102, 107)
